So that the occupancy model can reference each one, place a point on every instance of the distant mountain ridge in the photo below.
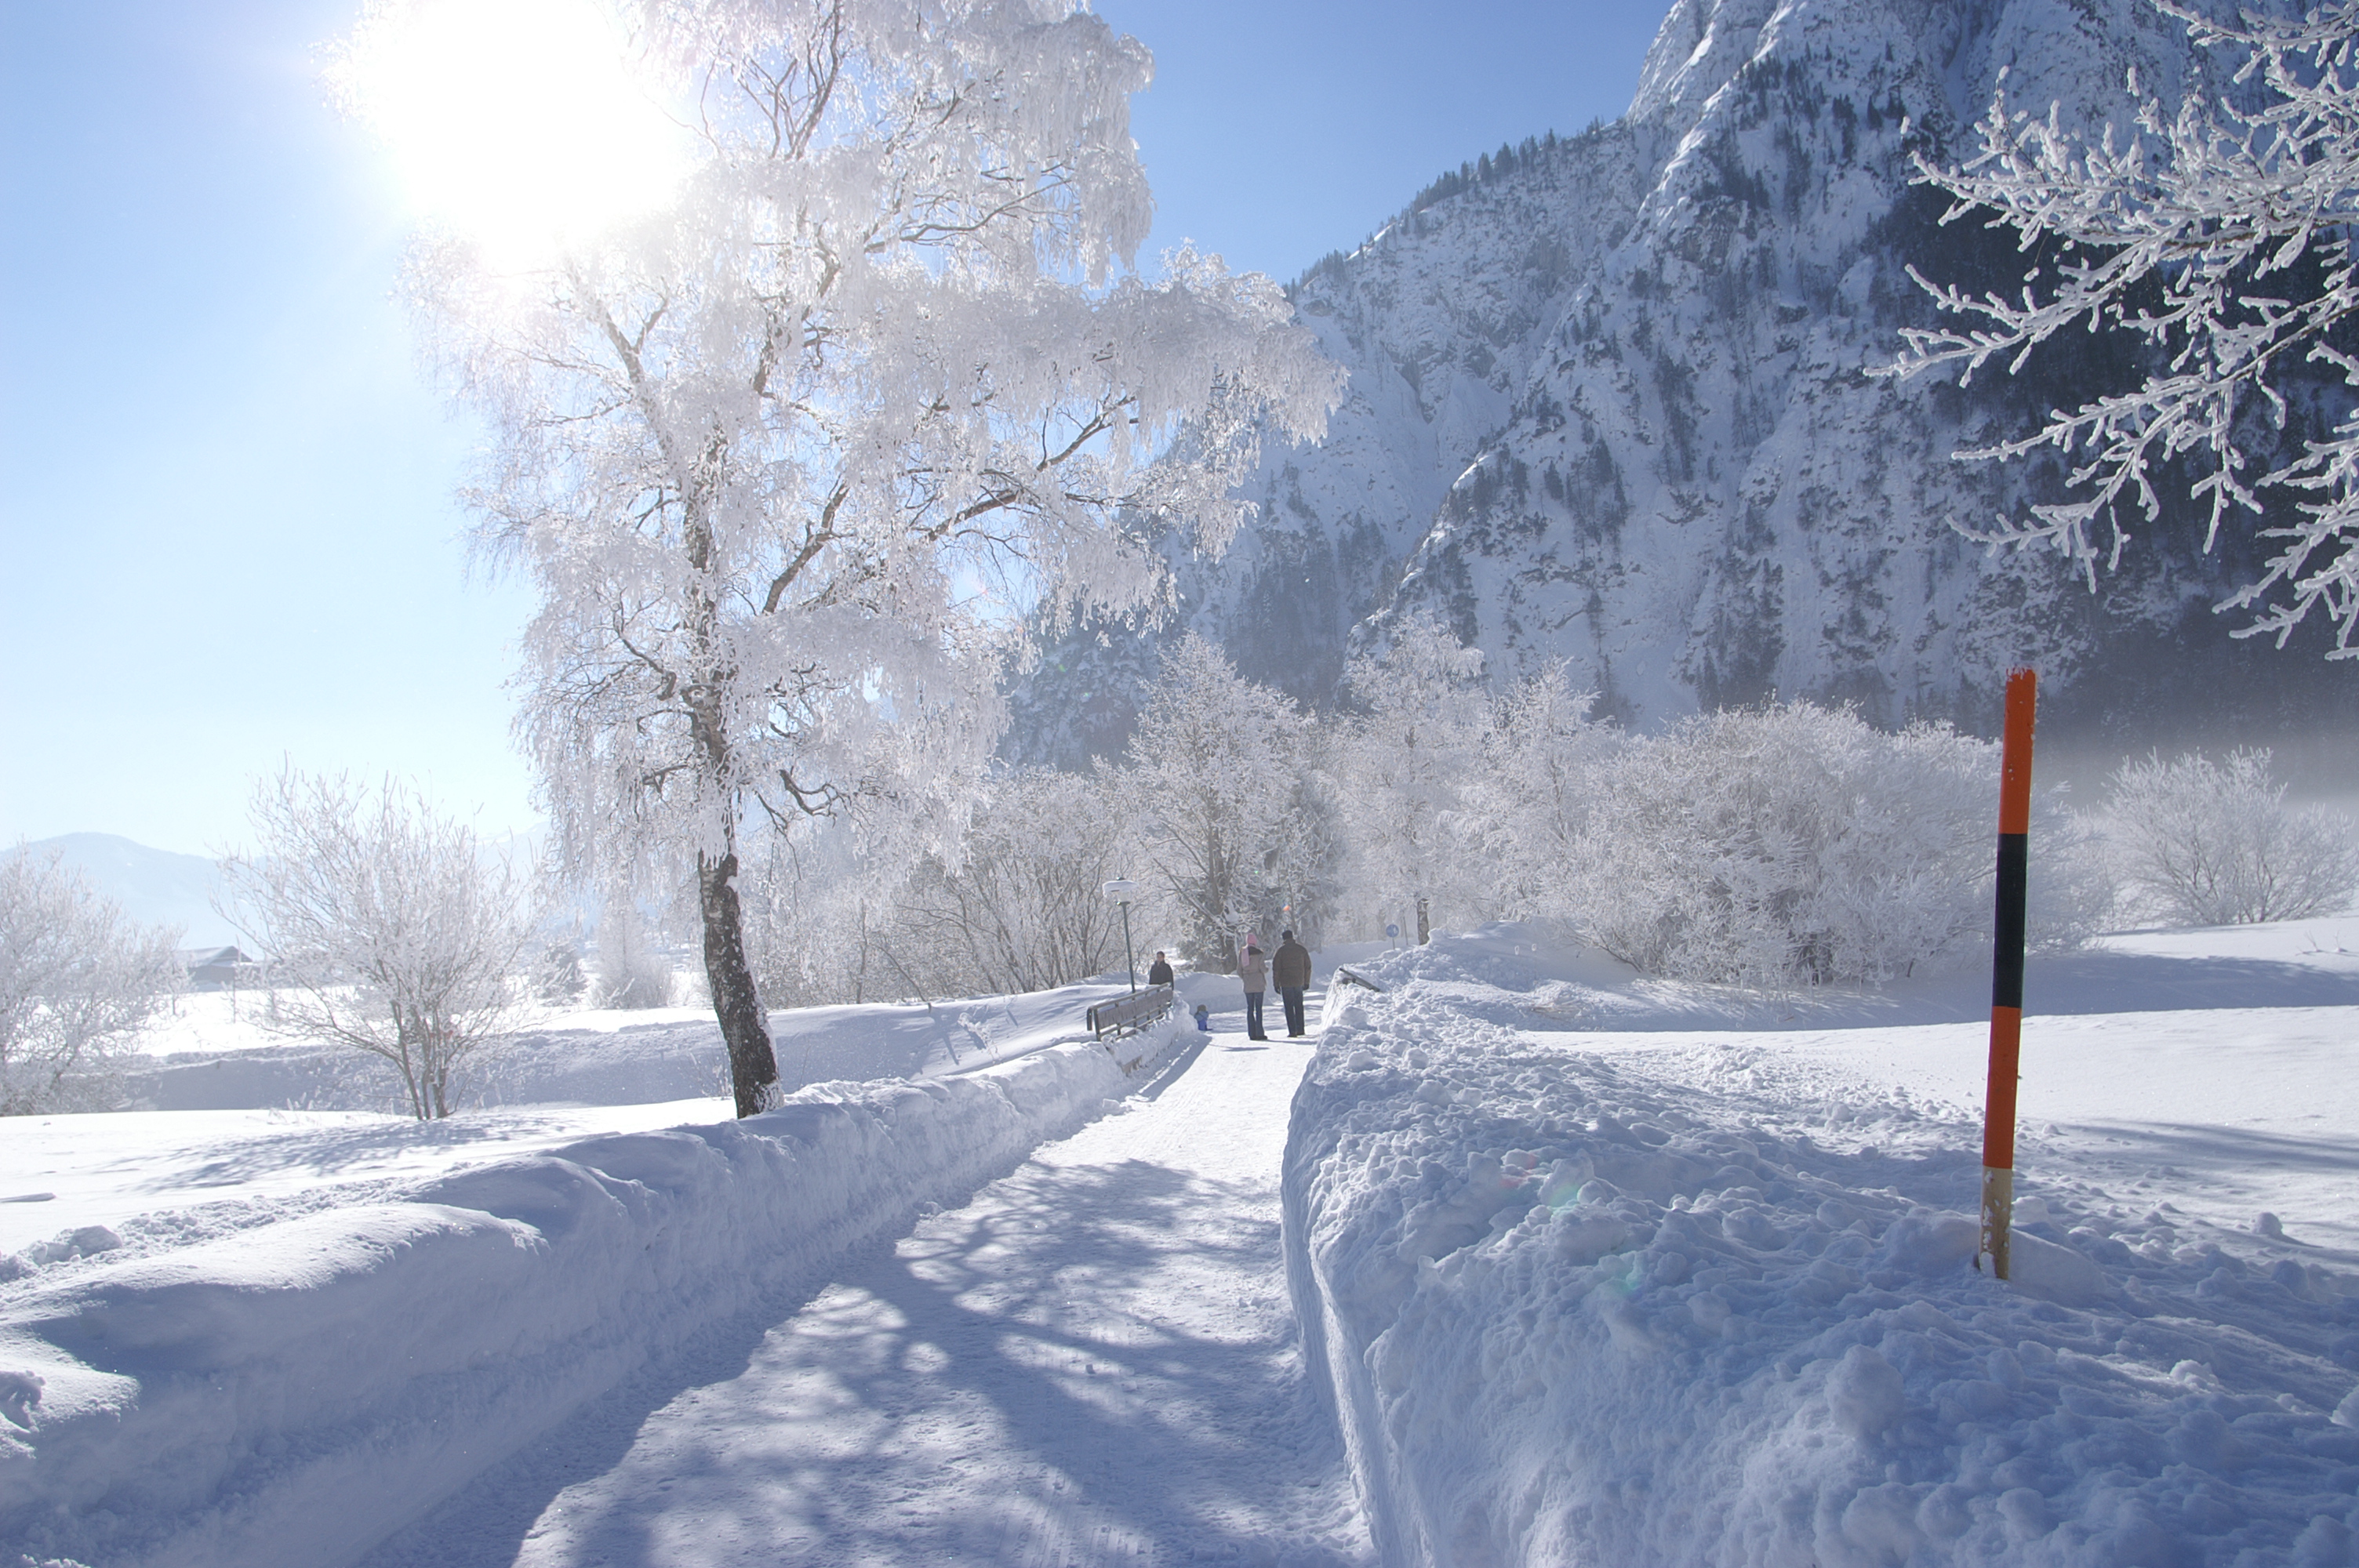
(1609, 403)
(153, 887)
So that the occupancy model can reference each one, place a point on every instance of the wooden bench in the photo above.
(1131, 1012)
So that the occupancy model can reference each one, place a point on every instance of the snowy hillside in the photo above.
(1607, 403)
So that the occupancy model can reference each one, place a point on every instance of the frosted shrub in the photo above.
(636, 981)
(1026, 907)
(2208, 843)
(77, 983)
(388, 927)
(1799, 845)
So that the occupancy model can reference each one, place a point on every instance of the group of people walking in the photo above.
(1291, 969)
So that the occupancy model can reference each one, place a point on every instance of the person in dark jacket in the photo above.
(1290, 971)
(1255, 972)
(1159, 973)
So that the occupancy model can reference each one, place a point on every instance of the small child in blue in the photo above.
(1203, 1019)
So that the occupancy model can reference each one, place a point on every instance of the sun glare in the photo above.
(516, 121)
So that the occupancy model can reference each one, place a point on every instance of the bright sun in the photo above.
(516, 121)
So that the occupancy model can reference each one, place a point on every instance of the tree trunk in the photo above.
(752, 1067)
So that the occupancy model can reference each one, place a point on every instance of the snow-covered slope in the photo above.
(1608, 403)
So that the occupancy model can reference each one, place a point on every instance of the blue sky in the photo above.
(227, 533)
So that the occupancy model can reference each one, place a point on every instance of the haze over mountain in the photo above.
(153, 887)
(1609, 403)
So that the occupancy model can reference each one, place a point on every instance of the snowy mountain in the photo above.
(1608, 403)
(153, 887)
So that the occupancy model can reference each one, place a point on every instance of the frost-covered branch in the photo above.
(2220, 236)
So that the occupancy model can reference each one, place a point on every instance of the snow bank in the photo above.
(1585, 1302)
(295, 1393)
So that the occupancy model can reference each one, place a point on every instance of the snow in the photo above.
(1093, 1361)
(1544, 1264)
(215, 1053)
(293, 1390)
(1707, 1295)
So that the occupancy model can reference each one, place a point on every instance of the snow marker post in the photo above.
(2007, 967)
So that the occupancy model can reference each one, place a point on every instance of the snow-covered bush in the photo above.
(2208, 843)
(1799, 845)
(1025, 908)
(77, 982)
(388, 927)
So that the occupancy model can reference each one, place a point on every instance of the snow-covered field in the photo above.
(1696, 1294)
(215, 1052)
(1581, 1268)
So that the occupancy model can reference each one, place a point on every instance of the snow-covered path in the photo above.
(1091, 1362)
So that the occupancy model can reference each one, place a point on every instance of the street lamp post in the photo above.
(1122, 892)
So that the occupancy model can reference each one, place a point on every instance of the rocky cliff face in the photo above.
(1609, 403)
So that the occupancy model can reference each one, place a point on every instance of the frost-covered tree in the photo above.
(1023, 906)
(1528, 800)
(387, 929)
(1404, 759)
(631, 973)
(2215, 844)
(789, 455)
(78, 981)
(2222, 236)
(1797, 845)
(1213, 767)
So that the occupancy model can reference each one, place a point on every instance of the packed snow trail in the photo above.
(1091, 1362)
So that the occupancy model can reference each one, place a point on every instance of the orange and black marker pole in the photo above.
(2007, 967)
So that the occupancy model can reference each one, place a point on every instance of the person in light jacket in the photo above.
(1291, 970)
(1255, 975)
